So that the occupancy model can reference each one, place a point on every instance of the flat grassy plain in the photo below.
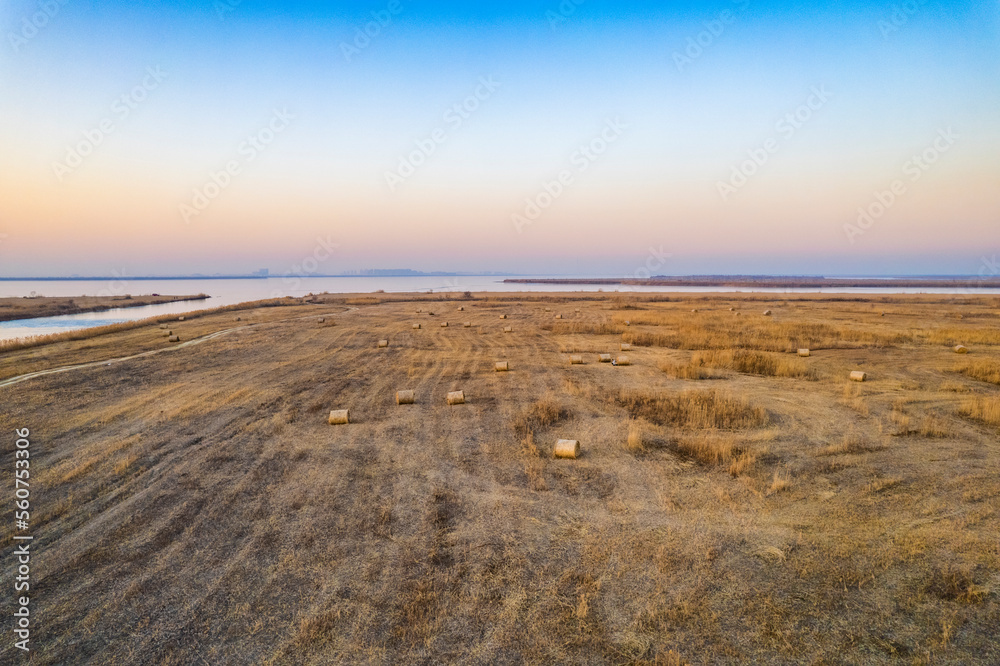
(733, 503)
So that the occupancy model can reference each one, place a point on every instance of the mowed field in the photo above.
(733, 502)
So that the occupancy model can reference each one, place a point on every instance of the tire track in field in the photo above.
(10, 381)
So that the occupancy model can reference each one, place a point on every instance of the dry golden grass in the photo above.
(985, 370)
(986, 410)
(693, 409)
(194, 507)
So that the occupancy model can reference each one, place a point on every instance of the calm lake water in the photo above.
(229, 292)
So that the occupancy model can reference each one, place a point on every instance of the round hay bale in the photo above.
(174, 338)
(628, 323)
(767, 313)
(803, 352)
(961, 349)
(163, 325)
(416, 326)
(456, 398)
(339, 417)
(181, 318)
(623, 360)
(604, 358)
(737, 314)
(732, 309)
(576, 359)
(503, 316)
(694, 311)
(858, 376)
(882, 315)
(559, 316)
(383, 343)
(322, 320)
(578, 310)
(467, 324)
(444, 324)
(461, 308)
(566, 448)
(548, 309)
(167, 333)
(625, 347)
(238, 319)
(501, 366)
(405, 397)
(508, 329)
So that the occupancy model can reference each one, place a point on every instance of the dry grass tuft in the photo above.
(693, 409)
(779, 482)
(634, 443)
(985, 410)
(953, 582)
(852, 443)
(985, 370)
(543, 414)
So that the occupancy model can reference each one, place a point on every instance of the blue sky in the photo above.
(888, 89)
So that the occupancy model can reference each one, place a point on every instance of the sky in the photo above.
(575, 137)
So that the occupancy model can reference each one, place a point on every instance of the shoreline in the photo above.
(17, 308)
(767, 282)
